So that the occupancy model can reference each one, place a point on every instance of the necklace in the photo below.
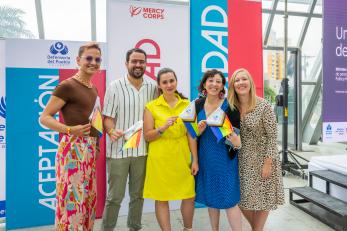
(86, 83)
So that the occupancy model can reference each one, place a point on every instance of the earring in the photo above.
(203, 93)
(221, 94)
(160, 91)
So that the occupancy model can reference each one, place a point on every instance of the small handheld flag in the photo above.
(192, 128)
(189, 114)
(188, 117)
(133, 141)
(220, 124)
(133, 135)
(95, 117)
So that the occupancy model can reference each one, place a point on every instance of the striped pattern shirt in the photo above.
(126, 104)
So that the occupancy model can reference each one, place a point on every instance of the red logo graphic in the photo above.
(147, 12)
(134, 10)
(153, 56)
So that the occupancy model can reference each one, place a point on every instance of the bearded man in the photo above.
(124, 104)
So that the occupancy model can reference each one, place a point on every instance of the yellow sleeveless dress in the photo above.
(168, 175)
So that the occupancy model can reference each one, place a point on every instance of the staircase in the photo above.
(323, 206)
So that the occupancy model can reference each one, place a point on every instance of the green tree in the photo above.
(270, 94)
(12, 24)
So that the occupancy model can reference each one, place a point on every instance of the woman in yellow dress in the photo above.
(172, 158)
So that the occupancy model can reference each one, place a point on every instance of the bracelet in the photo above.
(110, 131)
(159, 132)
(238, 147)
(68, 130)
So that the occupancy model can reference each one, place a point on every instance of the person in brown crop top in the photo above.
(76, 157)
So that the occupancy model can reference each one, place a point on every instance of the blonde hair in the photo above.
(87, 46)
(233, 98)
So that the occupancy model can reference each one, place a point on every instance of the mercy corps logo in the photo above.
(147, 12)
(58, 55)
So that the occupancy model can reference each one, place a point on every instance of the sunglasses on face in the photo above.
(90, 59)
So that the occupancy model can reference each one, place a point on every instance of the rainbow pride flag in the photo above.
(188, 117)
(224, 130)
(95, 117)
(96, 121)
(219, 124)
(192, 128)
(134, 140)
(133, 135)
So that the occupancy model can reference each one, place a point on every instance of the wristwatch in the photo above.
(159, 132)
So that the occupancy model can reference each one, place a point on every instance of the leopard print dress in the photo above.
(258, 137)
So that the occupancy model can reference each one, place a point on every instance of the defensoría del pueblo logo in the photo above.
(58, 54)
(59, 47)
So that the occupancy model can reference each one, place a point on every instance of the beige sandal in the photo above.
(187, 229)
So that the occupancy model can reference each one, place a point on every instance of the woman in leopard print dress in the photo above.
(259, 164)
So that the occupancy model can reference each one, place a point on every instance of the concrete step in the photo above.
(331, 176)
(336, 206)
(322, 206)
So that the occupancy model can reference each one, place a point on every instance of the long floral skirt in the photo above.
(76, 183)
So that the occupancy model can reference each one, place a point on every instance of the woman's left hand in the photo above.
(266, 171)
(194, 168)
(234, 139)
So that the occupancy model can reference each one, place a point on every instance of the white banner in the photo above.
(2, 130)
(45, 53)
(334, 131)
(33, 69)
(162, 30)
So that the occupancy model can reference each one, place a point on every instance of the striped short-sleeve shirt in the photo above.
(126, 104)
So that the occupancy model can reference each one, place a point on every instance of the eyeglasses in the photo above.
(90, 59)
(134, 61)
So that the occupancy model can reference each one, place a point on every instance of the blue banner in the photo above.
(209, 39)
(2, 209)
(2, 130)
(31, 148)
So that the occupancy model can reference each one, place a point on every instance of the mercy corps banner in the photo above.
(2, 130)
(225, 35)
(334, 71)
(33, 69)
(162, 30)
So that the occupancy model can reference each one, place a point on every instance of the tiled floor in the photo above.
(286, 218)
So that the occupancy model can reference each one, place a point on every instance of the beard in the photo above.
(137, 72)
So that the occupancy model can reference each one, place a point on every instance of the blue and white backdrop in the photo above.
(2, 129)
